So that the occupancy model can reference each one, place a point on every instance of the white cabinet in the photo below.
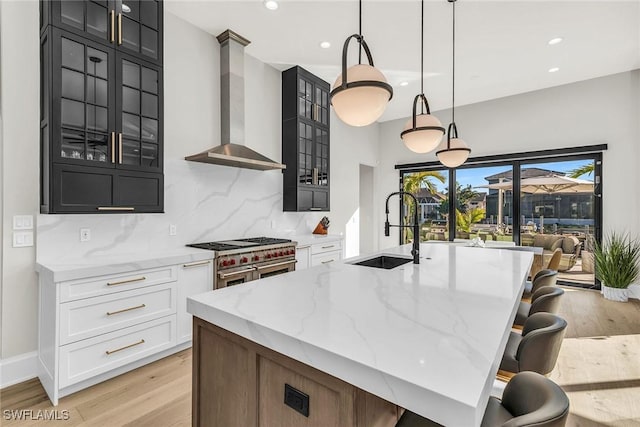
(193, 278)
(319, 253)
(93, 327)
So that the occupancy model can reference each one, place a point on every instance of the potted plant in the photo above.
(616, 260)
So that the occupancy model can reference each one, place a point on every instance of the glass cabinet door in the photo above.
(305, 154)
(139, 24)
(305, 99)
(322, 157)
(86, 119)
(139, 140)
(322, 102)
(90, 18)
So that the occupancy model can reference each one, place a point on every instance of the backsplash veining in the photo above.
(204, 202)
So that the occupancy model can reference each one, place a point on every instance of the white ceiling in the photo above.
(501, 48)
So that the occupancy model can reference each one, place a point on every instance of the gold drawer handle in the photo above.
(195, 264)
(122, 282)
(125, 347)
(116, 208)
(119, 29)
(327, 262)
(111, 313)
(327, 247)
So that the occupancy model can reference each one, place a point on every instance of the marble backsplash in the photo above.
(205, 203)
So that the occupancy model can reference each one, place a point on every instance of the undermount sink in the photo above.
(384, 261)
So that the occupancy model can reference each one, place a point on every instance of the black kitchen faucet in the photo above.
(416, 227)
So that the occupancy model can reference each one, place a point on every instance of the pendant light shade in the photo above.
(423, 132)
(365, 97)
(454, 152)
(361, 93)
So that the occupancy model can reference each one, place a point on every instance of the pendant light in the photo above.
(423, 132)
(455, 151)
(361, 93)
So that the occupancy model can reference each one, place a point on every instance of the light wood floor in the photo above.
(598, 367)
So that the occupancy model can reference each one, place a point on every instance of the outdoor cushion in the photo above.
(539, 240)
(554, 242)
(569, 244)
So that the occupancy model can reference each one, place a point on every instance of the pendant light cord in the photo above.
(422, 54)
(360, 31)
(453, 72)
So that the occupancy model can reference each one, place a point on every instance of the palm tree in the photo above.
(582, 170)
(412, 183)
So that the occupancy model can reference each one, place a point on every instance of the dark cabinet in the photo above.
(130, 26)
(305, 141)
(101, 123)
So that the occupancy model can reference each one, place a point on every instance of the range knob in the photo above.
(256, 258)
(281, 253)
(225, 263)
(244, 259)
(232, 262)
(268, 256)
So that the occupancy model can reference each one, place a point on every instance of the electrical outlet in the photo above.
(23, 222)
(172, 230)
(22, 239)
(85, 234)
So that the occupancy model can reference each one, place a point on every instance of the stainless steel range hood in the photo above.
(232, 151)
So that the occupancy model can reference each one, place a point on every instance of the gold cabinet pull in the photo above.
(113, 147)
(314, 176)
(327, 262)
(279, 264)
(315, 209)
(123, 282)
(225, 275)
(113, 25)
(111, 313)
(120, 148)
(196, 264)
(125, 347)
(116, 208)
(119, 28)
(327, 247)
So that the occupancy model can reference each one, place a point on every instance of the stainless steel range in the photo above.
(242, 260)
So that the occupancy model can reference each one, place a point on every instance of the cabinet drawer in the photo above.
(319, 248)
(85, 359)
(94, 316)
(103, 285)
(326, 258)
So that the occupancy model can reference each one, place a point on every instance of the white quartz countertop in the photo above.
(61, 269)
(304, 240)
(427, 337)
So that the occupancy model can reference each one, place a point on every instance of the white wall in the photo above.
(598, 111)
(19, 106)
(206, 202)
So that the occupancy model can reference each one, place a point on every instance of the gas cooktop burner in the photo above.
(227, 245)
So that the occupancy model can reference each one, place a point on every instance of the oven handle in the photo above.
(235, 273)
(293, 261)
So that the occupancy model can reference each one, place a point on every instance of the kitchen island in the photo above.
(357, 341)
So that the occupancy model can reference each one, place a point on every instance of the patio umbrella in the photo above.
(547, 184)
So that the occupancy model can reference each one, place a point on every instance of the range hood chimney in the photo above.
(232, 151)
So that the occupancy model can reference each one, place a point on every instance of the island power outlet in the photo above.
(296, 400)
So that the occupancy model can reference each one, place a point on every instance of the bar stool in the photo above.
(536, 349)
(529, 399)
(542, 278)
(544, 300)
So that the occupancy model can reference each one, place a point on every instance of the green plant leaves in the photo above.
(616, 260)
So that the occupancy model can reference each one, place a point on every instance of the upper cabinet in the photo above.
(305, 141)
(131, 26)
(101, 113)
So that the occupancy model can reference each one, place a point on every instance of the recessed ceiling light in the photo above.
(555, 40)
(325, 45)
(554, 69)
(271, 4)
(404, 83)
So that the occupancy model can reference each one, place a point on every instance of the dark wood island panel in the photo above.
(237, 382)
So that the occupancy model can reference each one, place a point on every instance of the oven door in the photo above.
(269, 270)
(234, 277)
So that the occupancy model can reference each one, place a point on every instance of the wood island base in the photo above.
(237, 382)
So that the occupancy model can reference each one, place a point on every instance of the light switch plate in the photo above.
(85, 234)
(23, 222)
(22, 239)
(172, 230)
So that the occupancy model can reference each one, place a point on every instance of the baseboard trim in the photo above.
(17, 369)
